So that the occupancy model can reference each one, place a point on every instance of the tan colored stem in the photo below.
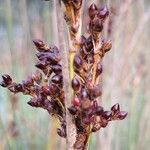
(70, 126)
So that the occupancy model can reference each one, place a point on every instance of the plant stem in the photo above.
(70, 126)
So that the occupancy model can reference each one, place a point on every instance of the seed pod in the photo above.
(28, 82)
(78, 62)
(37, 77)
(61, 133)
(53, 89)
(107, 115)
(99, 110)
(103, 12)
(3, 84)
(73, 110)
(83, 94)
(115, 108)
(86, 104)
(76, 102)
(76, 84)
(96, 91)
(46, 90)
(53, 58)
(107, 45)
(86, 120)
(7, 80)
(93, 11)
(89, 44)
(99, 69)
(121, 115)
(41, 65)
(83, 40)
(40, 45)
(35, 102)
(96, 25)
(57, 69)
(19, 87)
(54, 49)
(57, 79)
(11, 88)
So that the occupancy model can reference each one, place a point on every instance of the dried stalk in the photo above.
(70, 126)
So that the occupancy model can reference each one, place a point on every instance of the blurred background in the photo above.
(126, 78)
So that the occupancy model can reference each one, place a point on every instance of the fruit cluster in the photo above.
(46, 86)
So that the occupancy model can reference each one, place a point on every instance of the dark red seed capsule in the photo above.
(83, 94)
(97, 25)
(57, 69)
(18, 87)
(46, 90)
(76, 102)
(86, 121)
(89, 44)
(107, 115)
(78, 62)
(57, 79)
(75, 84)
(73, 110)
(7, 79)
(3, 84)
(99, 69)
(40, 45)
(92, 11)
(121, 115)
(99, 110)
(41, 65)
(103, 12)
(96, 91)
(115, 108)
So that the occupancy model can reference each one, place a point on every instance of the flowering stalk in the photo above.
(49, 88)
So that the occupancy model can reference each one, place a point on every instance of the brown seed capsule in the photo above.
(121, 115)
(37, 77)
(89, 44)
(86, 121)
(40, 45)
(84, 94)
(99, 110)
(115, 108)
(34, 102)
(19, 87)
(93, 11)
(57, 69)
(103, 12)
(78, 62)
(61, 133)
(7, 79)
(96, 91)
(107, 115)
(75, 84)
(3, 84)
(107, 45)
(73, 110)
(41, 65)
(57, 79)
(99, 69)
(46, 90)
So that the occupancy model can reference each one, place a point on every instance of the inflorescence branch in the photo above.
(45, 86)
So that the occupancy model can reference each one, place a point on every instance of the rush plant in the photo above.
(46, 85)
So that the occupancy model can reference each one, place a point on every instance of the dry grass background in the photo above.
(126, 75)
